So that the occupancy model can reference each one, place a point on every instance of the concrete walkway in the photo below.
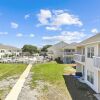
(13, 95)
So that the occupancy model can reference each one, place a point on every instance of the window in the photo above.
(67, 50)
(2, 51)
(83, 51)
(9, 50)
(90, 77)
(18, 50)
(90, 52)
(73, 50)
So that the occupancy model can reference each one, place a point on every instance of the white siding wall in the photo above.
(89, 66)
(8, 52)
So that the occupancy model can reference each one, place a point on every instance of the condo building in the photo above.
(62, 50)
(87, 59)
(6, 51)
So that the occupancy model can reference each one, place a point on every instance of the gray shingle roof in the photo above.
(59, 45)
(95, 38)
(62, 45)
(71, 46)
(2, 46)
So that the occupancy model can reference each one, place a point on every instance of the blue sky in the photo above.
(41, 22)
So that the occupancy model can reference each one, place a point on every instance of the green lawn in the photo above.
(49, 72)
(7, 70)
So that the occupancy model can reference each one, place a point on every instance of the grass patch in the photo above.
(45, 88)
(7, 70)
(49, 72)
(10, 70)
(1, 92)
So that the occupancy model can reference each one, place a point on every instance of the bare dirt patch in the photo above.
(27, 93)
(6, 85)
(43, 91)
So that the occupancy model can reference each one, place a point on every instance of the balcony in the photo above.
(79, 58)
(96, 61)
(69, 53)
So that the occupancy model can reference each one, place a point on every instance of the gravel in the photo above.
(27, 93)
(43, 91)
(6, 85)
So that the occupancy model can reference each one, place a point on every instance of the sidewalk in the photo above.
(13, 95)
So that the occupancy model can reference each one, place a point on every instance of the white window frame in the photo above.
(90, 76)
(90, 52)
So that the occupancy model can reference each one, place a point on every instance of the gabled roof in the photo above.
(93, 39)
(8, 47)
(58, 45)
(71, 46)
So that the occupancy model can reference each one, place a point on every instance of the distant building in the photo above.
(68, 53)
(7, 51)
(62, 50)
(56, 51)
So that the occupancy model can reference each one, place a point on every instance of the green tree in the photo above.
(44, 49)
(30, 48)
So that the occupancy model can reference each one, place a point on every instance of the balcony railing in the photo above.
(79, 58)
(96, 61)
(69, 53)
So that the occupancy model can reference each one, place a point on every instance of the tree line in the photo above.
(34, 49)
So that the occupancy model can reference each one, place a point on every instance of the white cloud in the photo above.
(19, 35)
(31, 35)
(14, 25)
(68, 36)
(65, 18)
(3, 33)
(53, 28)
(44, 16)
(57, 18)
(26, 36)
(94, 30)
(27, 16)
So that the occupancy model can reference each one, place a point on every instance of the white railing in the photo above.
(19, 60)
(96, 61)
(79, 58)
(69, 53)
